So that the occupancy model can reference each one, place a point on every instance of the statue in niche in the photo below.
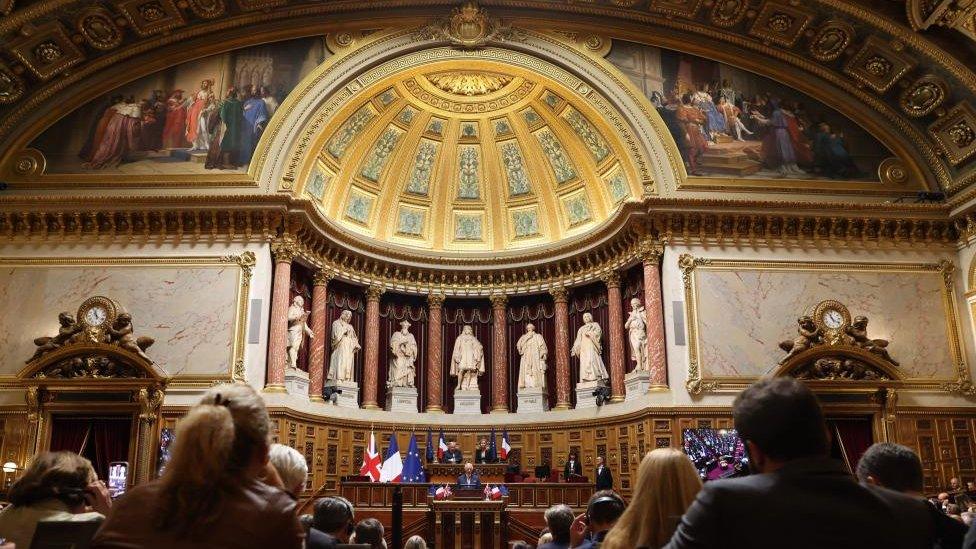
(636, 327)
(588, 347)
(344, 347)
(297, 328)
(468, 360)
(808, 334)
(858, 332)
(403, 347)
(532, 367)
(65, 334)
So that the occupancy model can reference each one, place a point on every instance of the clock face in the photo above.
(96, 316)
(833, 319)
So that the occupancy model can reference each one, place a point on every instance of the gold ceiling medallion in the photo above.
(468, 27)
(469, 83)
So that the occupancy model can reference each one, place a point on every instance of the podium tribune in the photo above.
(468, 521)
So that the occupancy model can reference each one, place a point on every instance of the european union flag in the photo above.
(413, 471)
(492, 450)
(430, 447)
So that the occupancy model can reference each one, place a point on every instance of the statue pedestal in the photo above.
(638, 383)
(584, 393)
(349, 397)
(532, 400)
(296, 382)
(401, 399)
(467, 402)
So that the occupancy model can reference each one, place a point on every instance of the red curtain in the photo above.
(394, 309)
(631, 286)
(539, 311)
(70, 434)
(100, 439)
(457, 314)
(341, 296)
(588, 299)
(301, 284)
(851, 438)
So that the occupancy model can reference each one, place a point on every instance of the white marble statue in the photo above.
(297, 328)
(403, 354)
(468, 360)
(636, 327)
(532, 367)
(344, 347)
(587, 347)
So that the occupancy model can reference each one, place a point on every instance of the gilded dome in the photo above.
(472, 155)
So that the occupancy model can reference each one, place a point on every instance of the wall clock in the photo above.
(832, 317)
(96, 315)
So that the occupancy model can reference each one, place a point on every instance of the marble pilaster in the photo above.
(435, 336)
(560, 297)
(316, 353)
(654, 307)
(499, 356)
(372, 348)
(284, 250)
(616, 328)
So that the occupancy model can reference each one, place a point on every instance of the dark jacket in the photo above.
(463, 481)
(452, 456)
(604, 478)
(577, 469)
(483, 456)
(809, 503)
(318, 539)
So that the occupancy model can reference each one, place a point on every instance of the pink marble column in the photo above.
(371, 360)
(499, 354)
(316, 353)
(653, 305)
(435, 336)
(560, 297)
(284, 251)
(616, 328)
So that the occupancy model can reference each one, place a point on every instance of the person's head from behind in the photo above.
(891, 466)
(221, 443)
(335, 516)
(415, 542)
(667, 483)
(370, 532)
(780, 420)
(291, 467)
(603, 510)
(62, 476)
(559, 518)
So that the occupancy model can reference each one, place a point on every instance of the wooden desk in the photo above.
(448, 473)
(468, 523)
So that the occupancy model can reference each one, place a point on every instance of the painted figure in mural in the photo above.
(255, 119)
(691, 120)
(120, 138)
(636, 327)
(225, 140)
(532, 367)
(344, 347)
(174, 130)
(270, 102)
(468, 360)
(197, 116)
(153, 120)
(781, 146)
(830, 156)
(714, 120)
(588, 348)
(733, 124)
(403, 349)
(297, 329)
(97, 130)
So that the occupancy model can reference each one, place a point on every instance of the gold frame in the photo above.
(245, 261)
(697, 383)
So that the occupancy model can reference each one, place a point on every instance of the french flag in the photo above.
(392, 470)
(441, 446)
(371, 460)
(506, 448)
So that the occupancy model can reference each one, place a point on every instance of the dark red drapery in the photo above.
(100, 439)
(457, 314)
(631, 286)
(301, 284)
(394, 309)
(588, 299)
(851, 438)
(539, 311)
(341, 296)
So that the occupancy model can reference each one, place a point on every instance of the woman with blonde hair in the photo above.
(667, 483)
(211, 494)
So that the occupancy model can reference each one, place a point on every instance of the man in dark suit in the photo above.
(798, 496)
(452, 454)
(332, 523)
(573, 466)
(604, 478)
(483, 453)
(469, 479)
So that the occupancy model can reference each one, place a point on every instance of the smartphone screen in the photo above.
(118, 478)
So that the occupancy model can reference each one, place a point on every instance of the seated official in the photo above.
(484, 454)
(452, 454)
(573, 466)
(470, 478)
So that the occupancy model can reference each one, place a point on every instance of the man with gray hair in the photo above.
(334, 521)
(291, 467)
(558, 519)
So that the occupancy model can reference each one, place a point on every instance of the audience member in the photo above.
(898, 468)
(519, 544)
(604, 478)
(59, 486)
(334, 521)
(210, 494)
(544, 539)
(589, 529)
(799, 497)
(291, 467)
(559, 519)
(572, 466)
(415, 542)
(369, 532)
(667, 483)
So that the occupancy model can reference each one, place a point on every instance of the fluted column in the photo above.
(316, 352)
(499, 354)
(561, 298)
(435, 336)
(371, 361)
(654, 307)
(616, 328)
(284, 250)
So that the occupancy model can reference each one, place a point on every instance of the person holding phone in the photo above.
(59, 486)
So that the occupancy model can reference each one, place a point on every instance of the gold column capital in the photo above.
(373, 293)
(611, 279)
(284, 248)
(435, 300)
(560, 294)
(322, 277)
(498, 301)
